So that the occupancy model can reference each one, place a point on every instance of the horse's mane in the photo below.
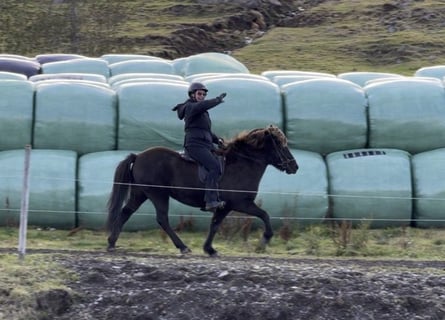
(255, 138)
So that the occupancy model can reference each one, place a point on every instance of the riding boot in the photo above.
(212, 195)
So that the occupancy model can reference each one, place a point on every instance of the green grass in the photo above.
(332, 36)
(313, 241)
(21, 280)
(347, 36)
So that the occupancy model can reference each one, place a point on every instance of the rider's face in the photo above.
(200, 95)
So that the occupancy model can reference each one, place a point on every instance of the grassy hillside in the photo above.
(327, 36)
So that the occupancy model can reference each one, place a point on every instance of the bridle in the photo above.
(284, 161)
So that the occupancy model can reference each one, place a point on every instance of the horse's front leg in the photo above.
(250, 208)
(217, 219)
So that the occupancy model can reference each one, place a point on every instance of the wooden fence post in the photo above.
(24, 205)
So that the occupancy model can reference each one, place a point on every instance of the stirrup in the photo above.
(212, 206)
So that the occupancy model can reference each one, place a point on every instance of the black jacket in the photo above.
(198, 126)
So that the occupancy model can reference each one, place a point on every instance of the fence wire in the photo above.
(260, 192)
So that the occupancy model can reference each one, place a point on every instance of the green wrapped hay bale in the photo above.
(437, 72)
(96, 172)
(300, 199)
(371, 185)
(5, 75)
(25, 66)
(429, 188)
(71, 81)
(147, 81)
(212, 62)
(179, 65)
(273, 73)
(325, 115)
(52, 188)
(114, 57)
(381, 80)
(16, 113)
(249, 104)
(69, 76)
(83, 65)
(146, 118)
(135, 76)
(54, 57)
(75, 116)
(361, 78)
(406, 114)
(141, 66)
(282, 80)
(200, 77)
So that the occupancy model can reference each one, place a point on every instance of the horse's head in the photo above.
(272, 144)
(278, 153)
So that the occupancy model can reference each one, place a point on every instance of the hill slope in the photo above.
(328, 36)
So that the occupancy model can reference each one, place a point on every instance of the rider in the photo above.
(199, 139)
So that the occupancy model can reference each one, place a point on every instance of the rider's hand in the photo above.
(222, 96)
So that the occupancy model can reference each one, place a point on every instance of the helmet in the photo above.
(196, 86)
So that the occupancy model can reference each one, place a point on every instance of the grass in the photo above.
(21, 281)
(331, 36)
(313, 241)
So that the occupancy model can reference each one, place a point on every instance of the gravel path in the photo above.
(192, 287)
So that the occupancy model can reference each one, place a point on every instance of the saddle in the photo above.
(202, 172)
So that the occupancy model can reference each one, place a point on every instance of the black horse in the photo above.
(159, 173)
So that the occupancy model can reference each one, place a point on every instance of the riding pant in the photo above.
(208, 160)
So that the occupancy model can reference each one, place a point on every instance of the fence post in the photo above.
(24, 204)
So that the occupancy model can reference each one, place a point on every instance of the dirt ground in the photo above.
(134, 286)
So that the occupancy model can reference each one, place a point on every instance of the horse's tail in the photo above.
(119, 193)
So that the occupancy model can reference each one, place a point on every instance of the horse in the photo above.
(159, 173)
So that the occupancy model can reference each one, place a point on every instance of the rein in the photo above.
(245, 156)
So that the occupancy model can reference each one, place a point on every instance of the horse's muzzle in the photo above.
(291, 167)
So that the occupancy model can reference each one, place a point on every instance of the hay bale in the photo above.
(75, 116)
(300, 199)
(429, 188)
(325, 115)
(371, 185)
(52, 188)
(406, 114)
(16, 113)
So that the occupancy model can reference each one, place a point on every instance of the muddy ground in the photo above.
(111, 286)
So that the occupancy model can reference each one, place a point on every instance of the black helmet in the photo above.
(196, 86)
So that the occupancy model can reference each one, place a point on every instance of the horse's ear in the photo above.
(268, 130)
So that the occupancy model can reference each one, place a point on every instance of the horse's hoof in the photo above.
(214, 254)
(211, 252)
(186, 251)
(261, 246)
(111, 249)
(265, 241)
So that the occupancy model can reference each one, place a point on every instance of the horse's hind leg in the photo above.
(161, 205)
(130, 207)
